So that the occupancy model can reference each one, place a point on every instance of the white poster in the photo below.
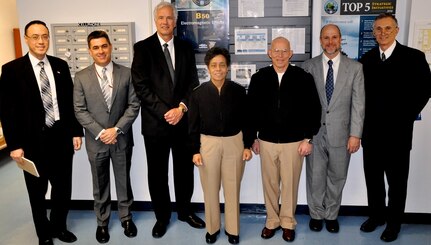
(296, 36)
(251, 8)
(251, 41)
(422, 38)
(241, 73)
(295, 7)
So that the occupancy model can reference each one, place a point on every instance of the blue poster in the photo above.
(203, 23)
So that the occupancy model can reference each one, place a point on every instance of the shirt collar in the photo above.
(335, 60)
(388, 52)
(109, 67)
(35, 61)
(170, 42)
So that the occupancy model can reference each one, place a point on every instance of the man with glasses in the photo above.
(286, 110)
(397, 87)
(39, 123)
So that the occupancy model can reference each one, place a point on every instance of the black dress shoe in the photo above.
(193, 220)
(159, 229)
(47, 241)
(232, 239)
(65, 236)
(102, 234)
(390, 234)
(268, 233)
(130, 229)
(211, 238)
(332, 225)
(371, 224)
(316, 224)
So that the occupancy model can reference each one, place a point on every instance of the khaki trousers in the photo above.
(222, 165)
(280, 163)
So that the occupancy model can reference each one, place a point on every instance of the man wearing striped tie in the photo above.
(39, 124)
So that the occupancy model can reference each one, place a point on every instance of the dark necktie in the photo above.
(383, 57)
(45, 90)
(329, 82)
(106, 90)
(169, 61)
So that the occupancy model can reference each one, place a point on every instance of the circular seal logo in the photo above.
(331, 7)
(202, 2)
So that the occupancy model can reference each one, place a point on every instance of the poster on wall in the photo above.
(355, 19)
(203, 23)
(422, 38)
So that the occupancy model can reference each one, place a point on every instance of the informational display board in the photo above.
(70, 42)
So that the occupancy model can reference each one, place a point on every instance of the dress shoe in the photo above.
(130, 229)
(47, 241)
(159, 229)
(211, 238)
(102, 234)
(371, 224)
(193, 220)
(316, 224)
(288, 235)
(332, 225)
(268, 233)
(390, 234)
(65, 236)
(233, 239)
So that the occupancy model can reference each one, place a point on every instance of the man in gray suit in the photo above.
(106, 106)
(340, 83)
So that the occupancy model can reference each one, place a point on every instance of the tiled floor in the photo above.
(16, 227)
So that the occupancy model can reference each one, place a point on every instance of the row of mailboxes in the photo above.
(70, 42)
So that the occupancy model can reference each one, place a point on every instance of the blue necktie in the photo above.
(329, 82)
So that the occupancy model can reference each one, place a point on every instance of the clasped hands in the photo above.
(109, 136)
(174, 115)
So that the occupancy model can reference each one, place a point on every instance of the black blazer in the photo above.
(395, 93)
(23, 114)
(153, 84)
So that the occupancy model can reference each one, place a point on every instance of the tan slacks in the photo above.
(280, 163)
(222, 165)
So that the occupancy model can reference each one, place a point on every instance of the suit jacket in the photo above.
(395, 91)
(23, 114)
(344, 116)
(154, 86)
(92, 111)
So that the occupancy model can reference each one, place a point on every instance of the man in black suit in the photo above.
(39, 124)
(164, 74)
(397, 87)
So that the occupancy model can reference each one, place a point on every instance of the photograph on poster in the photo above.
(251, 41)
(241, 73)
(203, 73)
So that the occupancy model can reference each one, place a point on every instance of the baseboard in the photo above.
(258, 209)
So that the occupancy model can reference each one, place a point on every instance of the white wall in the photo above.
(8, 21)
(140, 12)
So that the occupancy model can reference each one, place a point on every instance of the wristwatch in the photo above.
(118, 130)
(310, 141)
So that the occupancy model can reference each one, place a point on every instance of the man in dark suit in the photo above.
(164, 74)
(39, 124)
(106, 106)
(397, 87)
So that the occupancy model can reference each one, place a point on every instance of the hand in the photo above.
(255, 147)
(353, 144)
(174, 115)
(246, 155)
(197, 159)
(109, 136)
(77, 142)
(17, 155)
(305, 148)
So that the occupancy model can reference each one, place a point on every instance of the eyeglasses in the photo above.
(384, 30)
(36, 38)
(280, 51)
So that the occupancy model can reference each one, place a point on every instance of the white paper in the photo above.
(251, 41)
(296, 36)
(241, 73)
(203, 73)
(295, 7)
(422, 38)
(251, 8)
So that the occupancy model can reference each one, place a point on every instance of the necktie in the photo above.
(383, 57)
(106, 90)
(329, 82)
(45, 90)
(169, 61)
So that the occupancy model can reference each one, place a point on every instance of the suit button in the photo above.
(327, 112)
(324, 124)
